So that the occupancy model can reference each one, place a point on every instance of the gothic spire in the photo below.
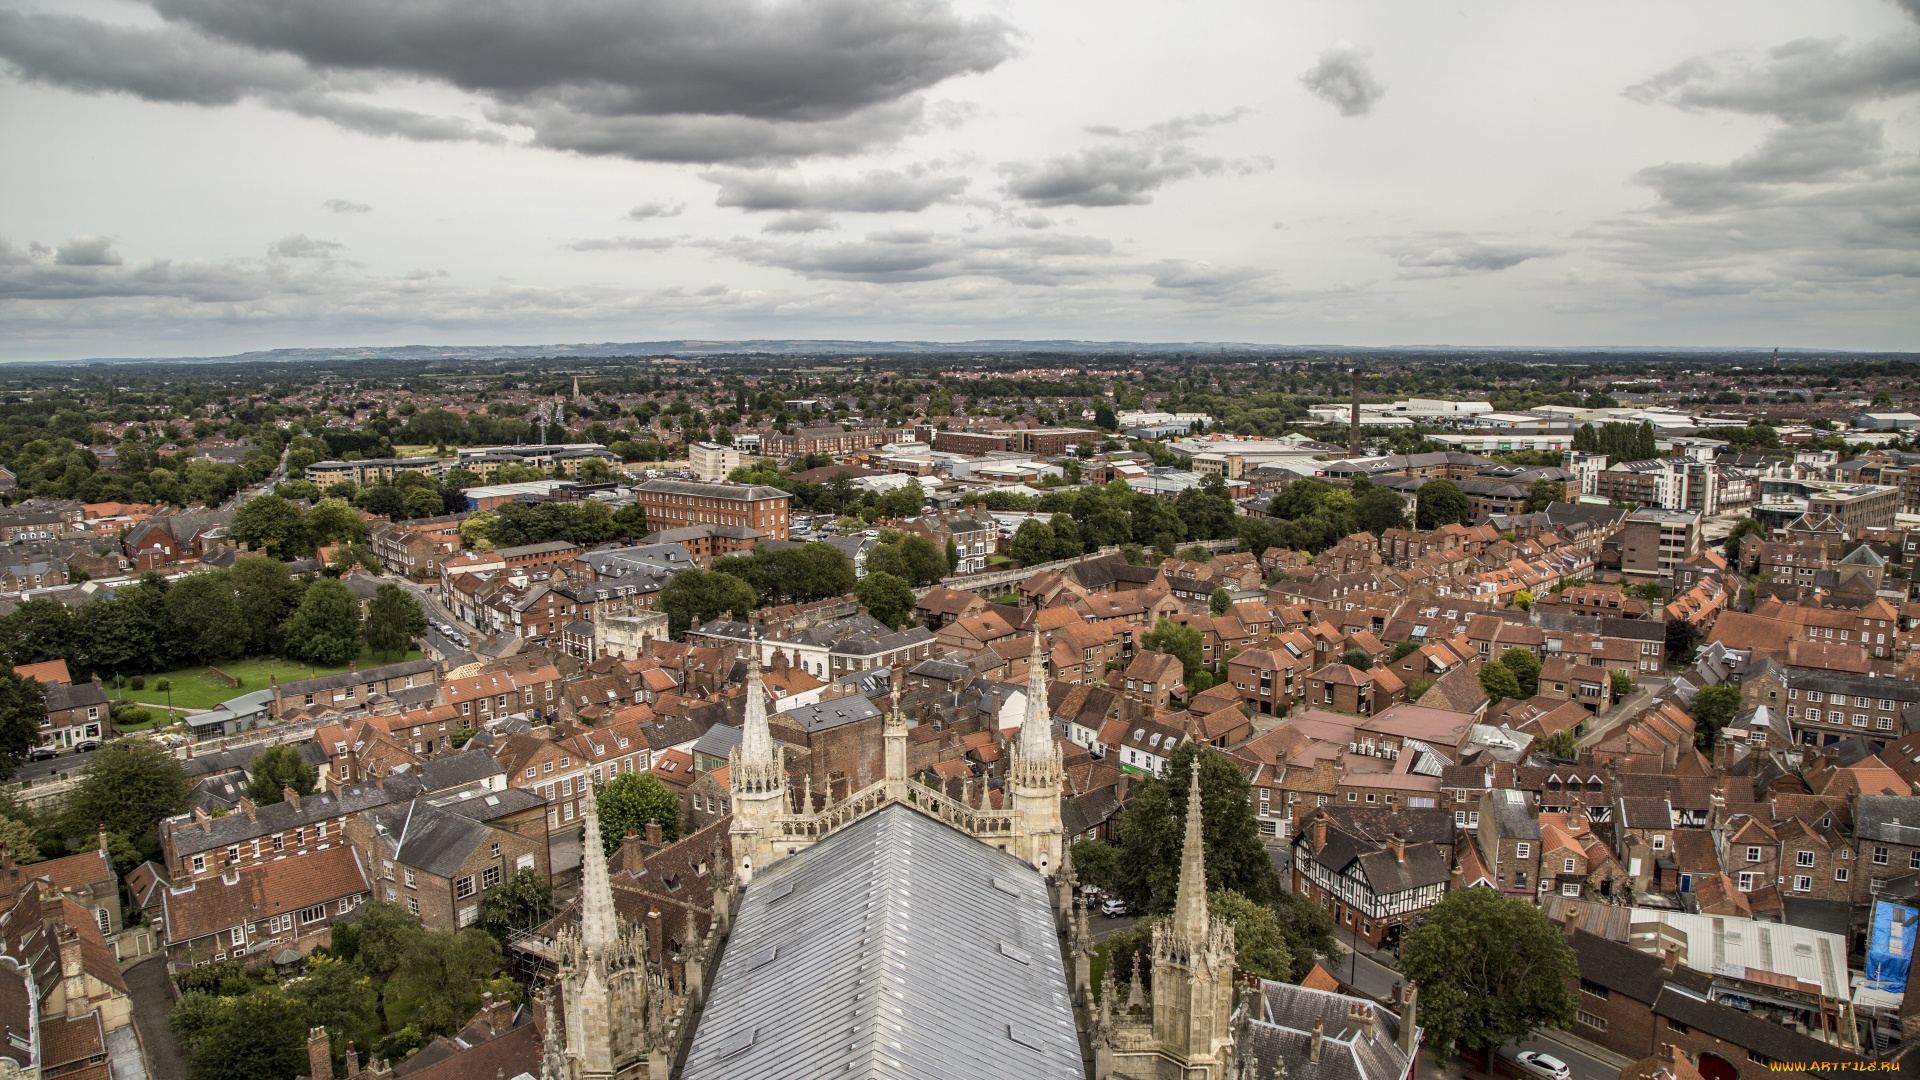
(1190, 907)
(756, 740)
(599, 926)
(1036, 731)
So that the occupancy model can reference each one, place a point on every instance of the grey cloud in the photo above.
(87, 251)
(1812, 79)
(1105, 175)
(1206, 282)
(624, 243)
(655, 80)
(301, 246)
(804, 222)
(164, 64)
(380, 120)
(874, 192)
(1345, 79)
(1796, 154)
(656, 210)
(343, 206)
(1123, 173)
(1444, 256)
(911, 254)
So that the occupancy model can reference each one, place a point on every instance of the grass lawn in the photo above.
(1004, 598)
(196, 687)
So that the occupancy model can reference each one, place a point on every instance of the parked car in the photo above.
(1114, 907)
(42, 753)
(86, 747)
(1545, 1066)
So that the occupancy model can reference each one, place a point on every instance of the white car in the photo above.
(1545, 1066)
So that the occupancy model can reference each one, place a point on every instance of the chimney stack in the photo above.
(1319, 832)
(247, 808)
(1573, 919)
(654, 832)
(103, 838)
(353, 1060)
(291, 797)
(1410, 1020)
(1319, 1034)
(1360, 1018)
(319, 1056)
(73, 969)
(1398, 845)
(1353, 423)
(1670, 956)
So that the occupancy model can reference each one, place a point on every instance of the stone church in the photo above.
(899, 932)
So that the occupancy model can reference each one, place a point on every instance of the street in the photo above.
(64, 762)
(1622, 709)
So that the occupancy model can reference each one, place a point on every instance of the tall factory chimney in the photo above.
(1353, 423)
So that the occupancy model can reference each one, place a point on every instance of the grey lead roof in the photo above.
(896, 948)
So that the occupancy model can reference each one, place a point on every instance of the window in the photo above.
(1879, 856)
(490, 877)
(1803, 858)
(1659, 842)
(496, 851)
(1802, 883)
(413, 905)
(1913, 860)
(1587, 1019)
(1677, 1027)
(1749, 882)
(238, 935)
(1594, 989)
(1840, 873)
(1753, 854)
(1522, 850)
(1567, 866)
(463, 888)
(1813, 714)
(279, 842)
(199, 863)
(411, 882)
(314, 914)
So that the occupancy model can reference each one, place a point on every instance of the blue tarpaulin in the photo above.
(1890, 947)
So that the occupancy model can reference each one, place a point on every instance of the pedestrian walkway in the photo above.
(1581, 1046)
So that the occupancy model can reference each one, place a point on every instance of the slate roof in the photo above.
(1889, 819)
(191, 838)
(830, 714)
(832, 947)
(1744, 1030)
(1284, 1034)
(423, 836)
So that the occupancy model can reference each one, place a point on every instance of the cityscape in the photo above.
(940, 540)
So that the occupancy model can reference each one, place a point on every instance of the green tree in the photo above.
(1103, 417)
(1308, 929)
(1260, 947)
(128, 785)
(1153, 829)
(1563, 744)
(1032, 543)
(522, 902)
(266, 595)
(1622, 683)
(1683, 639)
(1543, 493)
(908, 556)
(886, 598)
(1499, 682)
(394, 620)
(1096, 863)
(1441, 502)
(340, 997)
(325, 628)
(1176, 639)
(1490, 970)
(630, 801)
(1378, 509)
(21, 840)
(953, 555)
(698, 596)
(23, 708)
(423, 503)
(333, 521)
(1526, 670)
(206, 616)
(1713, 707)
(276, 768)
(440, 976)
(274, 525)
(1219, 601)
(261, 1036)
(478, 529)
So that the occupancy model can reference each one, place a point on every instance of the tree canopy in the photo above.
(1152, 830)
(630, 801)
(1490, 970)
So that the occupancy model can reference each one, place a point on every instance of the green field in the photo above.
(196, 688)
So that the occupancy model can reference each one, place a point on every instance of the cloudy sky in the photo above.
(195, 177)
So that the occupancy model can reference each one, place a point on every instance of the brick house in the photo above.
(251, 913)
(557, 762)
(1270, 680)
(1508, 840)
(353, 689)
(1565, 680)
(1153, 679)
(1350, 690)
(1374, 870)
(75, 714)
(437, 862)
